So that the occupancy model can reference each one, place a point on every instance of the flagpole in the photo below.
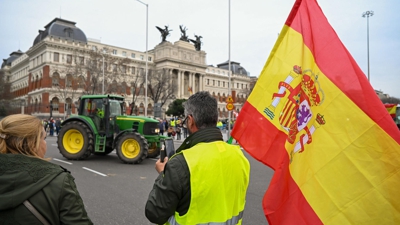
(229, 66)
(368, 14)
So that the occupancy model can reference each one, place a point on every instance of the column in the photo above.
(193, 82)
(182, 88)
(179, 81)
(201, 82)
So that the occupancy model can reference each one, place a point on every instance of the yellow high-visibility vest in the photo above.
(219, 177)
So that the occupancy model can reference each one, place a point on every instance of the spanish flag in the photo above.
(314, 118)
(391, 108)
(190, 90)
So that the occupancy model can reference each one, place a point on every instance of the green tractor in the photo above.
(100, 127)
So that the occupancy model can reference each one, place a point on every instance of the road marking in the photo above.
(62, 161)
(94, 171)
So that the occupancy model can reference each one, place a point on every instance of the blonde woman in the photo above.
(33, 190)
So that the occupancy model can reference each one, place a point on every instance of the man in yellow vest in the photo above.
(206, 181)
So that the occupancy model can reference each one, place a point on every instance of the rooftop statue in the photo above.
(164, 33)
(197, 42)
(184, 37)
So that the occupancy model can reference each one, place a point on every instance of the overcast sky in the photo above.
(255, 25)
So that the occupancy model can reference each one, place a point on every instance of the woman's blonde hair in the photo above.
(20, 134)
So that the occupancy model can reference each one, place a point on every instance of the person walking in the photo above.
(178, 131)
(161, 126)
(206, 181)
(33, 190)
(51, 126)
(58, 125)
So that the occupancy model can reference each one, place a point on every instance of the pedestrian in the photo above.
(178, 131)
(184, 130)
(58, 125)
(33, 190)
(165, 124)
(161, 127)
(51, 126)
(206, 181)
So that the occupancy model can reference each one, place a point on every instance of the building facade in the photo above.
(64, 64)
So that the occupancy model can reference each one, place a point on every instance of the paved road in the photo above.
(115, 193)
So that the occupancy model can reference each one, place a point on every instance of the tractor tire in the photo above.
(132, 148)
(106, 152)
(75, 141)
(153, 151)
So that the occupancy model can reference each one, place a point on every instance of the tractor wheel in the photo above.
(75, 141)
(108, 150)
(154, 151)
(132, 148)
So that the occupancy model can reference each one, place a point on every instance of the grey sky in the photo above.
(255, 25)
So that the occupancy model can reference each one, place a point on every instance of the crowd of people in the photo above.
(52, 126)
(174, 127)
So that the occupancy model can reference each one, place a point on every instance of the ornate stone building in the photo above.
(56, 70)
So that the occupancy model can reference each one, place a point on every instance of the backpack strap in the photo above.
(37, 214)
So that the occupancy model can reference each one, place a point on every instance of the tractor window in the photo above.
(92, 106)
(115, 108)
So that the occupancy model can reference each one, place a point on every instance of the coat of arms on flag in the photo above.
(299, 93)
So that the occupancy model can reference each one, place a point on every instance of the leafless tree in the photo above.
(6, 95)
(160, 86)
(115, 72)
(137, 84)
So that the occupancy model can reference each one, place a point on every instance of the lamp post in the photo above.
(103, 75)
(368, 14)
(147, 58)
(51, 108)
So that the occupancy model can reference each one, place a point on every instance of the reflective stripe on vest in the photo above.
(234, 220)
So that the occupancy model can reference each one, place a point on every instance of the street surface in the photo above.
(116, 193)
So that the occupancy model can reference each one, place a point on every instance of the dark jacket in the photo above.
(171, 190)
(49, 188)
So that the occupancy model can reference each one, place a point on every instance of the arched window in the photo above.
(55, 103)
(68, 105)
(81, 82)
(123, 88)
(55, 79)
(114, 87)
(141, 108)
(68, 80)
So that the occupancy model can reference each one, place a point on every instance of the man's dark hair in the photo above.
(204, 109)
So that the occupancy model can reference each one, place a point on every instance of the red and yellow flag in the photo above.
(391, 108)
(316, 121)
(190, 90)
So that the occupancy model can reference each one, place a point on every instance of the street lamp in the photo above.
(103, 74)
(147, 58)
(368, 14)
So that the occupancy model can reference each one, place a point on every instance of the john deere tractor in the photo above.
(100, 127)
